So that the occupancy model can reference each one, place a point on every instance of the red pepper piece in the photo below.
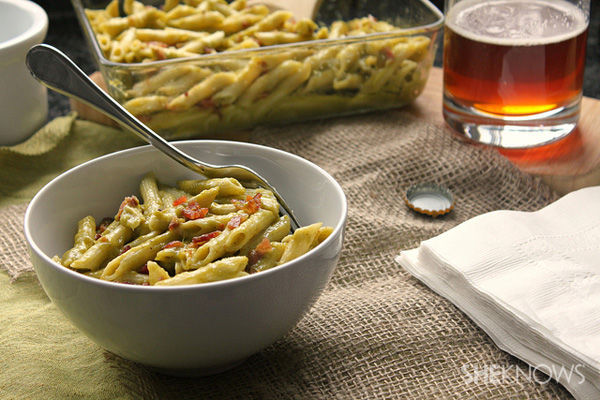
(194, 211)
(198, 241)
(179, 201)
(236, 221)
(251, 205)
(174, 243)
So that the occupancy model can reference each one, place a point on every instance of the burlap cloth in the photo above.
(376, 332)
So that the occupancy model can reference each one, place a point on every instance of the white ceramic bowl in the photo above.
(23, 100)
(188, 330)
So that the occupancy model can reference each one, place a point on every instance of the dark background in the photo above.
(65, 34)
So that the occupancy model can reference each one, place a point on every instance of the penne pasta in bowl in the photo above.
(203, 230)
(208, 264)
(197, 68)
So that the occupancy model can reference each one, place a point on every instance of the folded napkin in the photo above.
(531, 280)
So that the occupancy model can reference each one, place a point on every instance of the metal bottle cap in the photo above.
(429, 198)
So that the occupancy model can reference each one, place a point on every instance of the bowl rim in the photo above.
(338, 230)
(103, 61)
(38, 27)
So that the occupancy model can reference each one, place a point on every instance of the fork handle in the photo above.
(55, 70)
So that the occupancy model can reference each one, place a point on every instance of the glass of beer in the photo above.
(513, 69)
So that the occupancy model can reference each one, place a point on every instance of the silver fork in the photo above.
(55, 70)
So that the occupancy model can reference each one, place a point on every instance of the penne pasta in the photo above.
(206, 96)
(201, 231)
(84, 239)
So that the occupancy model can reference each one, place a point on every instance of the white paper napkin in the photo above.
(531, 280)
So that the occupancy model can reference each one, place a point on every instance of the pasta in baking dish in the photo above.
(207, 95)
(200, 231)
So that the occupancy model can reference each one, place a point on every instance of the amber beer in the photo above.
(513, 62)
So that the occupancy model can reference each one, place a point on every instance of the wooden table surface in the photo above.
(566, 165)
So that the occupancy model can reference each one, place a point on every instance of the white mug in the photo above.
(23, 100)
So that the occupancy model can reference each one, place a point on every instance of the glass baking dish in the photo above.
(331, 77)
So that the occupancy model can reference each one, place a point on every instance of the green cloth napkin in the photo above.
(60, 145)
(45, 339)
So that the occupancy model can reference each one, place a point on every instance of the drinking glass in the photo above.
(513, 69)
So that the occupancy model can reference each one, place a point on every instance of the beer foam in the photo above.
(517, 22)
